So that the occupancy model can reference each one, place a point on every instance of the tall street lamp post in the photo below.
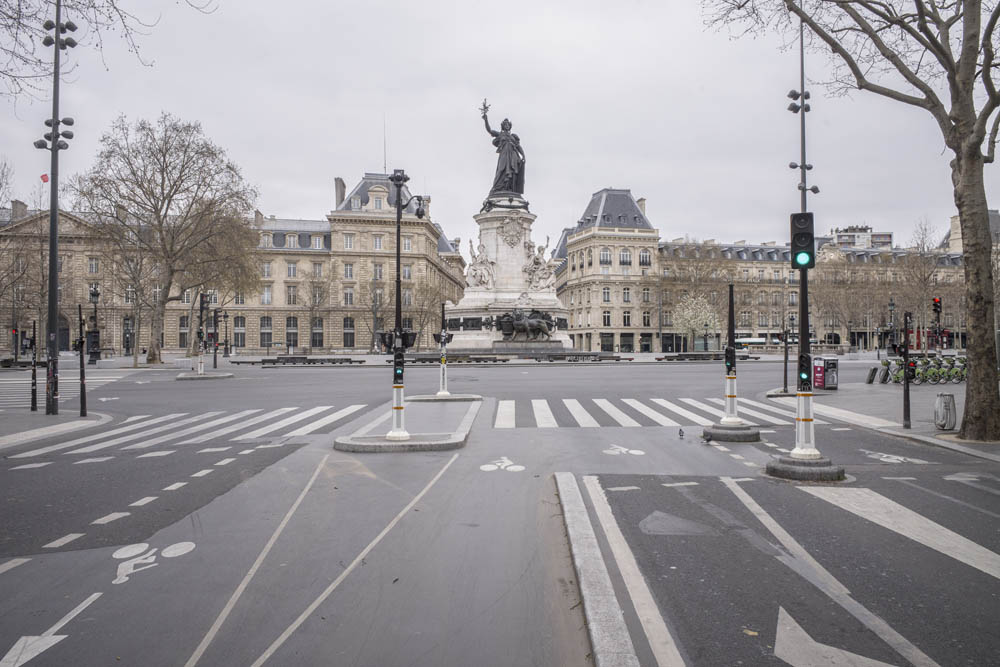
(225, 319)
(94, 341)
(400, 339)
(53, 141)
(892, 326)
(705, 338)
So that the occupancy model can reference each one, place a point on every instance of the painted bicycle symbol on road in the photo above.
(139, 561)
(502, 463)
(616, 450)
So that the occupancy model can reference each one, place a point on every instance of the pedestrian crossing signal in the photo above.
(803, 242)
(397, 367)
(805, 362)
(730, 359)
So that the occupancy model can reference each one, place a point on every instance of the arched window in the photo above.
(605, 255)
(590, 256)
(265, 331)
(645, 258)
(625, 256)
(239, 331)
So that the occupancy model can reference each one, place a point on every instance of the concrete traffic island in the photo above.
(204, 376)
(433, 424)
(805, 470)
(731, 433)
(450, 397)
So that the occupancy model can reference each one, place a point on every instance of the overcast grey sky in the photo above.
(629, 94)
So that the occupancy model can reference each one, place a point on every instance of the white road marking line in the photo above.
(661, 642)
(329, 419)
(236, 427)
(209, 450)
(12, 563)
(840, 429)
(844, 415)
(889, 514)
(283, 637)
(63, 541)
(767, 431)
(649, 412)
(246, 451)
(142, 434)
(616, 414)
(148, 455)
(750, 463)
(737, 457)
(202, 473)
(581, 416)
(543, 414)
(505, 415)
(784, 451)
(264, 430)
(687, 414)
(910, 479)
(134, 418)
(279, 444)
(95, 436)
(174, 486)
(671, 484)
(773, 408)
(193, 429)
(622, 488)
(15, 439)
(770, 444)
(224, 462)
(753, 413)
(143, 501)
(97, 459)
(712, 411)
(801, 561)
(108, 518)
(28, 466)
(721, 448)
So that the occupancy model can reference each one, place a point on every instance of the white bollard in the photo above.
(731, 418)
(443, 390)
(398, 431)
(805, 435)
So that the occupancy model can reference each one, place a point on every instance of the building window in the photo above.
(265, 331)
(762, 319)
(317, 269)
(746, 274)
(377, 242)
(293, 269)
(590, 256)
(317, 242)
(645, 295)
(760, 274)
(646, 319)
(265, 269)
(793, 298)
(626, 295)
(407, 297)
(316, 337)
(407, 324)
(776, 299)
(129, 295)
(606, 295)
(775, 320)
(627, 318)
(378, 296)
(92, 265)
(239, 331)
(625, 256)
(239, 299)
(291, 332)
(291, 294)
(348, 332)
(348, 241)
(185, 296)
(214, 297)
(317, 295)
(348, 296)
(668, 319)
(291, 240)
(157, 294)
(182, 331)
(744, 318)
(407, 243)
(606, 318)
(777, 274)
(265, 296)
(348, 271)
(645, 259)
(377, 272)
(762, 298)
(378, 203)
(407, 272)
(605, 256)
(355, 203)
(266, 241)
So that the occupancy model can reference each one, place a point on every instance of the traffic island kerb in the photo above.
(205, 376)
(731, 433)
(805, 470)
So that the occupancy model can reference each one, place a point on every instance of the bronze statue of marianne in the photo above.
(510, 165)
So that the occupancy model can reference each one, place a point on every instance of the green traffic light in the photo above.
(802, 258)
(804, 376)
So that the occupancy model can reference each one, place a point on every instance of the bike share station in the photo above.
(826, 372)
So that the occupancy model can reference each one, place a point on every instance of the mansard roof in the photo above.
(612, 207)
(370, 180)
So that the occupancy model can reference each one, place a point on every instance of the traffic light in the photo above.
(447, 339)
(911, 370)
(409, 339)
(803, 245)
(805, 368)
(397, 367)
(937, 305)
(14, 331)
(730, 359)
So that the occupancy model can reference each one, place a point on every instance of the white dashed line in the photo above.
(12, 563)
(174, 486)
(622, 488)
(143, 501)
(202, 473)
(721, 448)
(280, 444)
(63, 541)
(784, 451)
(149, 455)
(681, 484)
(97, 459)
(28, 466)
(840, 429)
(750, 463)
(247, 451)
(209, 450)
(737, 457)
(224, 462)
(114, 516)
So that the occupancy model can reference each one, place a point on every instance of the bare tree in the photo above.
(26, 66)
(693, 313)
(317, 304)
(188, 206)
(911, 53)
(426, 309)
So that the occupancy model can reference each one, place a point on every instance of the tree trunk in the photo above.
(155, 328)
(981, 419)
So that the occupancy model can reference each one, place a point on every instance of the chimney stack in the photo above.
(18, 209)
(341, 189)
(642, 204)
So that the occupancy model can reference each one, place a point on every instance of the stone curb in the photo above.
(427, 398)
(724, 433)
(53, 429)
(206, 376)
(377, 444)
(609, 636)
(937, 442)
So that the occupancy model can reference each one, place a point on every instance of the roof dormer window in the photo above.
(378, 203)
(355, 203)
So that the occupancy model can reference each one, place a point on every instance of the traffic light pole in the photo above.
(731, 418)
(83, 378)
(906, 369)
(805, 434)
(398, 431)
(34, 368)
(215, 338)
(443, 389)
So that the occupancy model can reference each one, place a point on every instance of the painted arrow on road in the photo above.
(793, 645)
(26, 648)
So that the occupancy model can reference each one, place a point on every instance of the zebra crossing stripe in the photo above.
(616, 414)
(142, 434)
(505, 415)
(581, 416)
(543, 415)
(649, 412)
(96, 436)
(710, 410)
(848, 416)
(687, 414)
(754, 413)
(189, 431)
(776, 410)
(264, 430)
(329, 419)
(236, 427)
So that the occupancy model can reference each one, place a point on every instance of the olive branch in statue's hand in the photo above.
(485, 108)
